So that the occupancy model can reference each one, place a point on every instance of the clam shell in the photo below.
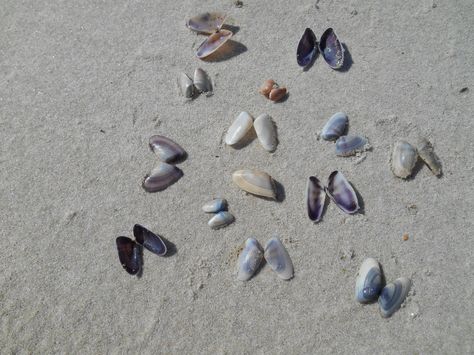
(342, 193)
(255, 182)
(277, 94)
(130, 255)
(278, 258)
(267, 86)
(220, 220)
(306, 51)
(214, 206)
(161, 177)
(186, 85)
(335, 127)
(202, 82)
(315, 198)
(331, 49)
(239, 128)
(393, 295)
(403, 160)
(350, 145)
(427, 154)
(266, 132)
(208, 22)
(149, 240)
(249, 259)
(166, 149)
(369, 281)
(213, 43)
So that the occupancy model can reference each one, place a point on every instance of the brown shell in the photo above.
(277, 94)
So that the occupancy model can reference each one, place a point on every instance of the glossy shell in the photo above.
(130, 255)
(331, 49)
(369, 281)
(149, 240)
(315, 198)
(276, 94)
(255, 182)
(214, 206)
(266, 132)
(342, 193)
(202, 82)
(208, 22)
(350, 145)
(249, 259)
(186, 85)
(393, 295)
(403, 160)
(278, 258)
(306, 51)
(267, 86)
(166, 149)
(213, 43)
(427, 154)
(335, 127)
(161, 177)
(239, 128)
(221, 219)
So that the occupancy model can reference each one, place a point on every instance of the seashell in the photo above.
(149, 240)
(277, 94)
(427, 154)
(130, 255)
(213, 43)
(306, 51)
(255, 182)
(249, 259)
(202, 82)
(335, 127)
(239, 128)
(315, 198)
(393, 295)
(350, 145)
(161, 177)
(266, 132)
(220, 220)
(214, 206)
(166, 149)
(186, 85)
(278, 258)
(403, 160)
(369, 281)
(331, 49)
(208, 22)
(267, 86)
(342, 193)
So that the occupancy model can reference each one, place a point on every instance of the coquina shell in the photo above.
(249, 259)
(342, 193)
(403, 160)
(255, 182)
(278, 258)
(306, 51)
(130, 255)
(393, 295)
(202, 82)
(214, 206)
(350, 145)
(221, 219)
(186, 85)
(331, 49)
(149, 240)
(239, 128)
(166, 149)
(213, 43)
(427, 154)
(207, 22)
(266, 132)
(369, 281)
(161, 177)
(315, 198)
(335, 127)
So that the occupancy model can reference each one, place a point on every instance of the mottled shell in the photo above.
(403, 160)
(255, 182)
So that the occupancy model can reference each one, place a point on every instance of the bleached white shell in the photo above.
(255, 182)
(278, 258)
(239, 128)
(186, 85)
(266, 132)
(214, 206)
(393, 295)
(249, 259)
(220, 220)
(369, 281)
(202, 82)
(404, 158)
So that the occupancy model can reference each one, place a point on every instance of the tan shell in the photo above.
(277, 94)
(267, 86)
(255, 182)
(427, 154)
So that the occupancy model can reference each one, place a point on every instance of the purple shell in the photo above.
(315, 198)
(306, 51)
(161, 177)
(342, 193)
(213, 43)
(331, 49)
(130, 255)
(149, 240)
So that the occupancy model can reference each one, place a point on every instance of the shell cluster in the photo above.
(370, 287)
(405, 156)
(209, 23)
(272, 91)
(200, 84)
(264, 128)
(222, 218)
(338, 189)
(130, 251)
(274, 253)
(255, 182)
(329, 46)
(165, 174)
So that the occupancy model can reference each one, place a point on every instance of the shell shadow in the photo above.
(359, 199)
(246, 140)
(228, 50)
(142, 263)
(170, 247)
(347, 59)
(232, 28)
(416, 169)
(283, 99)
(280, 191)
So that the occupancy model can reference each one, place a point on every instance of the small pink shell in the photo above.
(213, 43)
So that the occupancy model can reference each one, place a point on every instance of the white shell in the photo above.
(369, 281)
(214, 206)
(278, 258)
(239, 128)
(249, 259)
(186, 85)
(220, 220)
(202, 82)
(403, 160)
(255, 182)
(266, 132)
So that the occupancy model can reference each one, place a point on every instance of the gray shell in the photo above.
(249, 259)
(427, 154)
(214, 206)
(278, 258)
(350, 145)
(393, 295)
(404, 157)
(369, 281)
(221, 220)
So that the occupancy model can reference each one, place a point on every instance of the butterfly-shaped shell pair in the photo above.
(330, 47)
(338, 189)
(405, 156)
(222, 217)
(209, 23)
(271, 90)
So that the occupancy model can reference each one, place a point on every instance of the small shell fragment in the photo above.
(351, 145)
(186, 85)
(249, 259)
(213, 43)
(335, 127)
(393, 295)
(331, 49)
(427, 154)
(161, 177)
(166, 149)
(239, 128)
(202, 82)
(130, 255)
(255, 182)
(306, 51)
(149, 240)
(214, 206)
(267, 86)
(403, 160)
(221, 219)
(315, 198)
(342, 193)
(278, 258)
(208, 22)
(369, 281)
(277, 94)
(266, 132)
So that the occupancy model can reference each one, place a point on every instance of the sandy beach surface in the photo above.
(84, 84)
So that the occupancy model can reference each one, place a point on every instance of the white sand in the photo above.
(73, 68)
